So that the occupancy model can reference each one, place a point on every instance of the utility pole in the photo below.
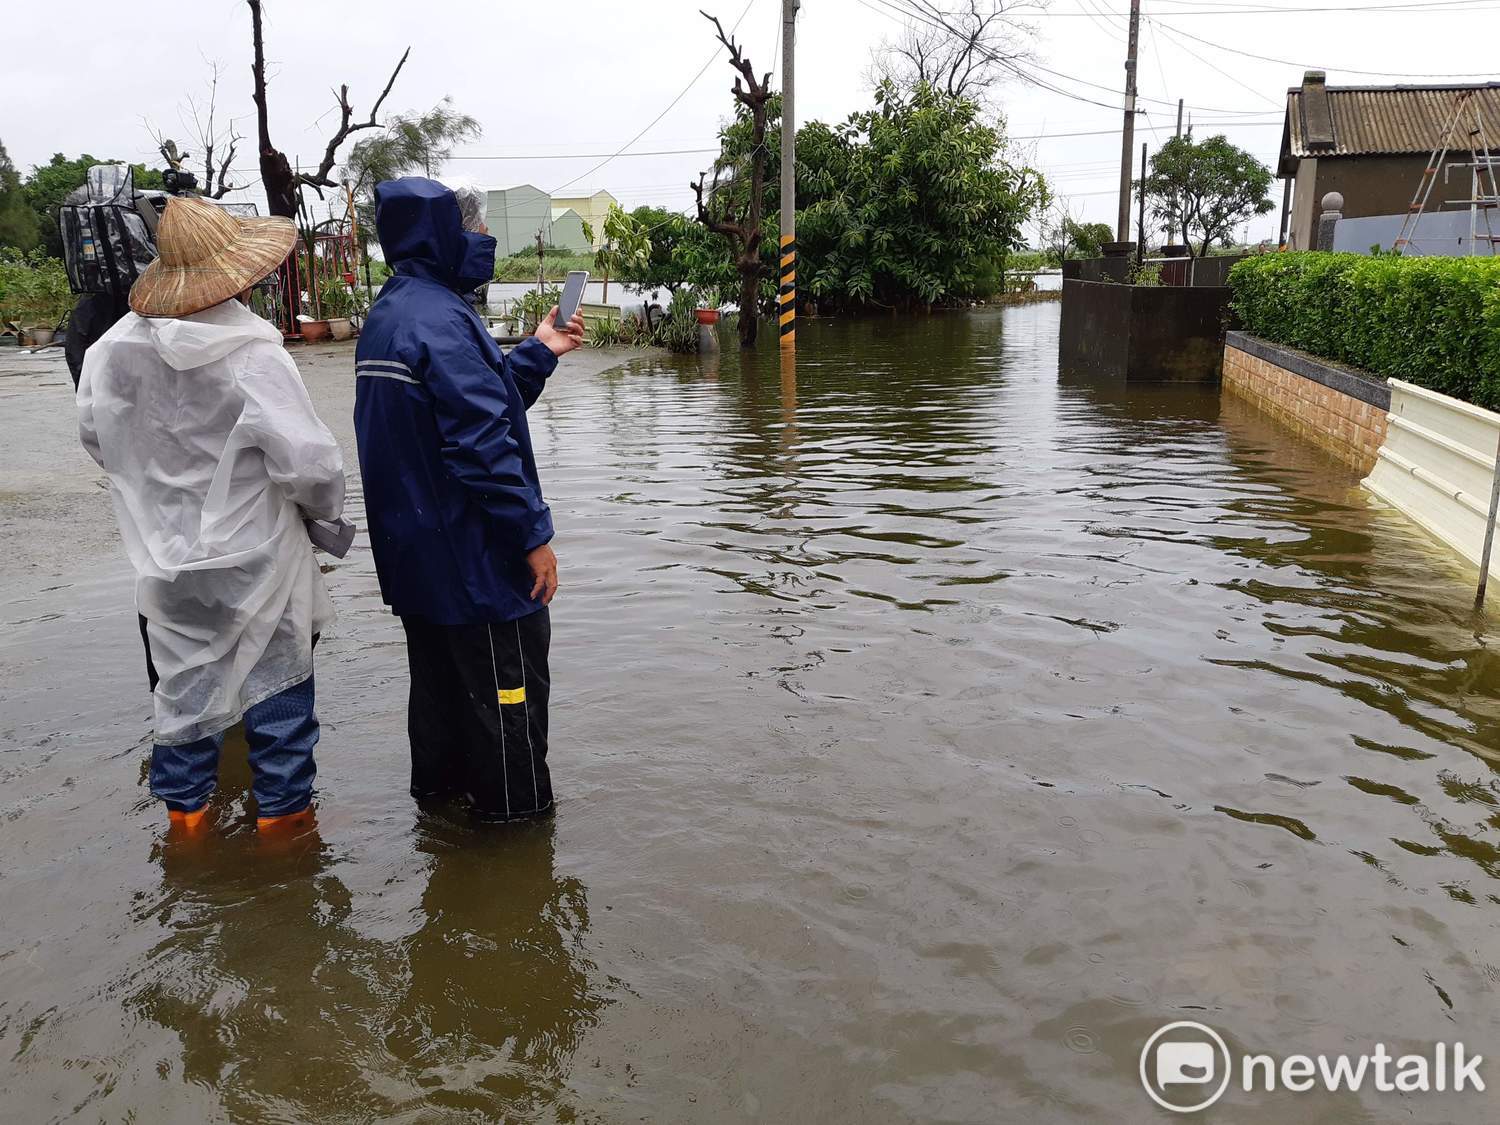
(541, 272)
(1179, 117)
(1127, 141)
(786, 295)
(1140, 250)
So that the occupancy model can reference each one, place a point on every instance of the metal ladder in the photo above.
(1481, 157)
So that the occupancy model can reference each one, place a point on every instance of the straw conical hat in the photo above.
(207, 256)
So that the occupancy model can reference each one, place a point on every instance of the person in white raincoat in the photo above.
(215, 457)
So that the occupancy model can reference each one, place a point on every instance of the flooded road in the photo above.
(926, 731)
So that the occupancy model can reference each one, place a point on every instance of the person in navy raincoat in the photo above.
(457, 522)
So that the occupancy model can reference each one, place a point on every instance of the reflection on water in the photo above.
(928, 731)
(280, 1001)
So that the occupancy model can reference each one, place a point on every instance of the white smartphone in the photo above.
(572, 296)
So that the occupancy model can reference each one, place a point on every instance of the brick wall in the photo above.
(1350, 429)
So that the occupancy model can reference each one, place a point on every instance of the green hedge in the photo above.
(1430, 321)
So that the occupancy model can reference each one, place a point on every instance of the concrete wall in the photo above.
(1335, 407)
(1441, 234)
(1096, 269)
(1210, 271)
(1437, 465)
(1429, 456)
(1141, 333)
(1304, 205)
(1370, 185)
(1094, 336)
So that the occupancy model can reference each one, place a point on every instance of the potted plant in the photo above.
(533, 306)
(338, 303)
(313, 330)
(34, 294)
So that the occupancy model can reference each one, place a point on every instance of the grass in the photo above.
(557, 266)
(510, 269)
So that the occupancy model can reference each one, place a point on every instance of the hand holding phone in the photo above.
(560, 338)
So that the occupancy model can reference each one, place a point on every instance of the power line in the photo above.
(924, 12)
(1459, 6)
(905, 14)
(586, 156)
(1311, 66)
(1242, 85)
(694, 81)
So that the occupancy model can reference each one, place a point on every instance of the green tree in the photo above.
(408, 144)
(1064, 236)
(18, 224)
(49, 184)
(1086, 240)
(626, 246)
(1206, 189)
(909, 203)
(682, 254)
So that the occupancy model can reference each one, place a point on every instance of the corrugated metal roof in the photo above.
(1380, 120)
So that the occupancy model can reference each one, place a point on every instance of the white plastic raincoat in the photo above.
(214, 454)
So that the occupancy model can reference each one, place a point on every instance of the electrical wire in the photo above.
(1220, 70)
(579, 156)
(924, 12)
(670, 105)
(903, 16)
(1459, 6)
(1311, 66)
(584, 155)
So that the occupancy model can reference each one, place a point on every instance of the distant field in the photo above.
(558, 266)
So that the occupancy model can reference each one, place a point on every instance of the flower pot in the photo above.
(315, 330)
(708, 316)
(41, 337)
(340, 328)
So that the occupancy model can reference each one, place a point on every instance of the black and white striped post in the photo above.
(786, 291)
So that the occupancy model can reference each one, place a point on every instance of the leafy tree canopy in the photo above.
(408, 145)
(18, 225)
(626, 246)
(909, 202)
(1086, 240)
(1206, 189)
(683, 253)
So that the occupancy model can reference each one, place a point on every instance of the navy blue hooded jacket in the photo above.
(452, 497)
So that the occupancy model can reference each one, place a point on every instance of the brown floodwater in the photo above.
(927, 731)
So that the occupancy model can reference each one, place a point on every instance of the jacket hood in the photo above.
(421, 235)
(185, 342)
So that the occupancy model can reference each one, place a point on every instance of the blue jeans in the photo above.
(281, 732)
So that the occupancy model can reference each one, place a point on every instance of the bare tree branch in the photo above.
(743, 232)
(962, 51)
(321, 178)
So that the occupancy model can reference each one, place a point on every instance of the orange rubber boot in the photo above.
(287, 823)
(181, 823)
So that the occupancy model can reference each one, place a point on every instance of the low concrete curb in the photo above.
(1346, 380)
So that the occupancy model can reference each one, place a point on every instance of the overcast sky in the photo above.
(580, 77)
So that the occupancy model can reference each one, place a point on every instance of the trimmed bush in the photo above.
(1430, 321)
